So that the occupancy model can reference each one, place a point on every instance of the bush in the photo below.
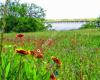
(98, 22)
(88, 25)
(26, 24)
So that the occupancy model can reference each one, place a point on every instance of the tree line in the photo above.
(92, 24)
(22, 17)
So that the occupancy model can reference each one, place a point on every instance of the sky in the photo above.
(68, 9)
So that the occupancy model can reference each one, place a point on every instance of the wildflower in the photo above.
(19, 35)
(49, 42)
(39, 56)
(39, 42)
(38, 53)
(56, 60)
(21, 51)
(53, 77)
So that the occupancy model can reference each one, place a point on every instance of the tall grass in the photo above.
(3, 69)
(78, 50)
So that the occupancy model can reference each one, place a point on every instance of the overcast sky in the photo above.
(67, 9)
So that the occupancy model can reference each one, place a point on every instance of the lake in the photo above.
(66, 25)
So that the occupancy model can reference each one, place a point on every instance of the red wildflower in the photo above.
(56, 60)
(53, 77)
(38, 53)
(49, 42)
(19, 35)
(39, 56)
(22, 51)
(39, 42)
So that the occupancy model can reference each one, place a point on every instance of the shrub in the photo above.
(98, 22)
(88, 25)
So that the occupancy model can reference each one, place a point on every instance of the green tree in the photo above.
(23, 17)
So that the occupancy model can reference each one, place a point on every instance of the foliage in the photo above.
(92, 24)
(98, 22)
(11, 22)
(88, 25)
(23, 17)
(49, 26)
(78, 50)
(26, 24)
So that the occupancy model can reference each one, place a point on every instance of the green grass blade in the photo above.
(7, 69)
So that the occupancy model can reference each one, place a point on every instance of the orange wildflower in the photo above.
(21, 38)
(49, 42)
(22, 51)
(19, 35)
(37, 53)
(39, 56)
(56, 60)
(53, 77)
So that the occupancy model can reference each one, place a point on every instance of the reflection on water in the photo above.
(67, 25)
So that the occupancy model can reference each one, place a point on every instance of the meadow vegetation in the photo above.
(66, 55)
(22, 17)
(91, 24)
(45, 55)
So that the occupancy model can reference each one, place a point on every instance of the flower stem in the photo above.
(20, 69)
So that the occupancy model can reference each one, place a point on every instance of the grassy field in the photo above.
(77, 50)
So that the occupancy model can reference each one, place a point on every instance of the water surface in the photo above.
(66, 25)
